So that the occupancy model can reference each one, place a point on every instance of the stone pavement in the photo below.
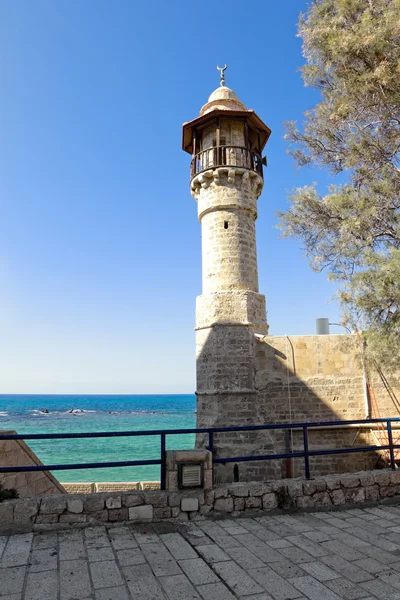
(320, 556)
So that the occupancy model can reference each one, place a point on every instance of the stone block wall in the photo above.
(244, 378)
(316, 378)
(331, 439)
(227, 209)
(309, 378)
(111, 486)
(64, 512)
(15, 453)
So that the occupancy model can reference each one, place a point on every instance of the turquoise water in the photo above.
(23, 413)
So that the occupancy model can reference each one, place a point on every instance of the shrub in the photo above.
(7, 494)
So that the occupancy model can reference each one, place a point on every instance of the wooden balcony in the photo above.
(226, 156)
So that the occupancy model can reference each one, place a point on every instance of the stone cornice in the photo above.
(227, 176)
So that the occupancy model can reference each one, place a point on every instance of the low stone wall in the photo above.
(105, 486)
(60, 512)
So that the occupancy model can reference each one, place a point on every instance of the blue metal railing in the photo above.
(306, 453)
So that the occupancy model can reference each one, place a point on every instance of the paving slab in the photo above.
(259, 548)
(320, 571)
(41, 586)
(381, 590)
(213, 553)
(294, 523)
(130, 556)
(313, 589)
(43, 560)
(245, 558)
(99, 554)
(274, 584)
(215, 591)
(346, 589)
(178, 587)
(285, 568)
(105, 574)
(71, 546)
(43, 540)
(116, 593)
(295, 555)
(308, 545)
(12, 581)
(346, 568)
(160, 560)
(342, 550)
(142, 583)
(198, 571)
(370, 565)
(178, 547)
(17, 550)
(236, 578)
(122, 538)
(74, 579)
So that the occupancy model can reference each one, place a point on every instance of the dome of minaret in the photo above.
(223, 98)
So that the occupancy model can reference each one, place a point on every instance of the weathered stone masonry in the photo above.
(227, 141)
(244, 376)
(65, 512)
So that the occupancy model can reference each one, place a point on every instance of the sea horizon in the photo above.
(78, 413)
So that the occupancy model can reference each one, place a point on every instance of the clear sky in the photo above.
(99, 239)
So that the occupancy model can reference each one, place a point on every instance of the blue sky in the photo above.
(99, 239)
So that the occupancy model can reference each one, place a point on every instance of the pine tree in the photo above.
(352, 51)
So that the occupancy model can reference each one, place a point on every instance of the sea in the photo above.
(95, 413)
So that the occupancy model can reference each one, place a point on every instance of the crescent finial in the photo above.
(222, 71)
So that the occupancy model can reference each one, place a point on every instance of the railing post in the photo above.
(306, 456)
(163, 464)
(390, 438)
(211, 442)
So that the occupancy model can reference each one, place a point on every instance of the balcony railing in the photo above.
(226, 156)
(305, 453)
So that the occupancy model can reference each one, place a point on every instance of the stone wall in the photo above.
(60, 512)
(227, 209)
(15, 453)
(110, 486)
(319, 378)
(245, 378)
(310, 378)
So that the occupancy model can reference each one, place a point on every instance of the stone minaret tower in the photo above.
(226, 142)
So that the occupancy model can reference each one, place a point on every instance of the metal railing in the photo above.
(226, 156)
(306, 453)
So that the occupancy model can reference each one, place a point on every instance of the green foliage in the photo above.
(352, 48)
(7, 494)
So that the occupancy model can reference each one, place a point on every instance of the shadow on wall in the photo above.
(16, 453)
(247, 380)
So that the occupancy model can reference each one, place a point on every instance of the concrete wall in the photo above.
(15, 453)
(63, 512)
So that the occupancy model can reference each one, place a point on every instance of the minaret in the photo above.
(226, 142)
